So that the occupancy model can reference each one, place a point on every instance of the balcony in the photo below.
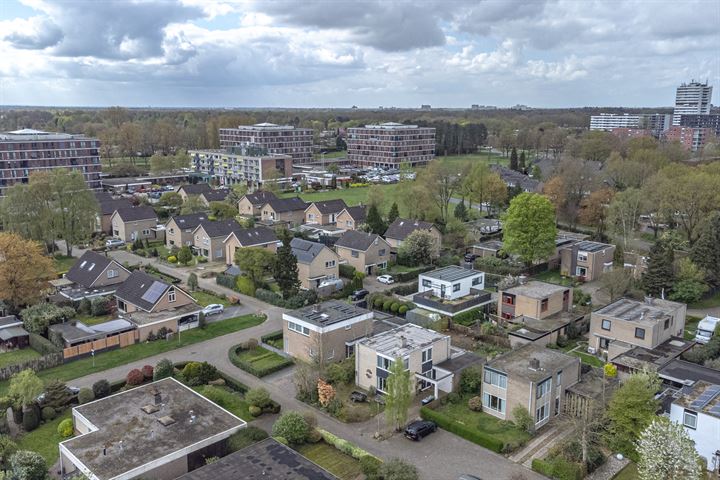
(451, 307)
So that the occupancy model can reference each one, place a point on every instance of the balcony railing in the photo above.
(475, 298)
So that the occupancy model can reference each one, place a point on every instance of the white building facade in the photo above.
(692, 99)
(451, 282)
(701, 419)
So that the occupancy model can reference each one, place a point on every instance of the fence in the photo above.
(120, 340)
(46, 361)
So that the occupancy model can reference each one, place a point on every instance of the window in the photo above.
(690, 419)
(606, 325)
(542, 413)
(121, 306)
(581, 271)
(456, 287)
(544, 305)
(171, 295)
(426, 282)
(381, 252)
(384, 363)
(348, 223)
(508, 299)
(604, 343)
(427, 355)
(381, 384)
(582, 257)
(146, 232)
(494, 403)
(299, 329)
(667, 323)
(558, 380)
(476, 281)
(557, 406)
(495, 378)
(543, 388)
(640, 333)
(355, 254)
(330, 264)
(349, 350)
(112, 273)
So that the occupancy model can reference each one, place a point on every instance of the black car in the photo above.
(356, 396)
(470, 257)
(420, 429)
(359, 294)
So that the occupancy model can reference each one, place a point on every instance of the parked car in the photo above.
(386, 279)
(213, 308)
(73, 391)
(169, 188)
(359, 294)
(356, 396)
(470, 257)
(114, 243)
(467, 476)
(335, 283)
(419, 429)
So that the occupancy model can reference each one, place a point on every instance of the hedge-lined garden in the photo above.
(389, 304)
(257, 360)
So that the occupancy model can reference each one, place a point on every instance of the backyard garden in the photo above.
(256, 359)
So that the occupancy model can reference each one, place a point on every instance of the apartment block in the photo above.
(586, 260)
(692, 99)
(388, 145)
(25, 151)
(702, 121)
(691, 138)
(609, 121)
(241, 165)
(271, 139)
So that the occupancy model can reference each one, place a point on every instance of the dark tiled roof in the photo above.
(358, 213)
(260, 197)
(9, 320)
(402, 227)
(139, 285)
(281, 205)
(108, 207)
(304, 250)
(132, 214)
(102, 197)
(219, 228)
(216, 195)
(191, 220)
(255, 236)
(195, 189)
(356, 240)
(511, 177)
(87, 268)
(330, 206)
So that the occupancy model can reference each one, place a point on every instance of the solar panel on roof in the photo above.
(705, 398)
(154, 292)
(715, 409)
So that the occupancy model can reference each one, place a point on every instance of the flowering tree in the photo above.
(667, 453)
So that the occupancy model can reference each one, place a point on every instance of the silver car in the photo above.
(114, 243)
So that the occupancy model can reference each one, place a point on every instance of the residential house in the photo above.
(325, 332)
(698, 410)
(679, 373)
(133, 223)
(315, 262)
(638, 359)
(401, 228)
(586, 260)
(289, 210)
(208, 237)
(514, 179)
(179, 229)
(217, 195)
(627, 323)
(108, 205)
(351, 217)
(451, 290)
(250, 204)
(366, 252)
(152, 304)
(324, 212)
(258, 237)
(159, 430)
(12, 333)
(193, 189)
(93, 275)
(532, 377)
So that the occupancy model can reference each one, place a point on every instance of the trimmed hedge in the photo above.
(404, 290)
(411, 274)
(347, 271)
(558, 468)
(303, 298)
(249, 367)
(345, 446)
(475, 436)
(42, 345)
(227, 281)
(272, 336)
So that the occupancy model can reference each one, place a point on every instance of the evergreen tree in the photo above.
(285, 269)
(514, 159)
(184, 256)
(659, 277)
(706, 251)
(192, 282)
(393, 213)
(619, 256)
(374, 221)
(522, 163)
(461, 212)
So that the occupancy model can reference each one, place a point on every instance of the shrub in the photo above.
(251, 344)
(291, 426)
(163, 369)
(453, 397)
(255, 411)
(39, 317)
(86, 395)
(403, 309)
(31, 418)
(387, 304)
(471, 379)
(475, 436)
(313, 436)
(84, 306)
(26, 465)
(468, 318)
(134, 377)
(347, 271)
(558, 468)
(377, 303)
(310, 419)
(172, 259)
(341, 372)
(48, 413)
(335, 407)
(398, 469)
(101, 389)
(394, 307)
(100, 306)
(147, 371)
(475, 404)
(258, 397)
(246, 437)
(370, 466)
(57, 395)
(245, 285)
(523, 419)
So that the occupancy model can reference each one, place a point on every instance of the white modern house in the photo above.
(451, 290)
(698, 410)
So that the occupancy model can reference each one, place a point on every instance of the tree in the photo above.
(7, 448)
(57, 395)
(171, 200)
(374, 221)
(706, 250)
(163, 369)
(398, 394)
(237, 191)
(624, 212)
(285, 268)
(419, 248)
(461, 212)
(333, 168)
(27, 465)
(619, 256)
(256, 263)
(27, 210)
(689, 284)
(631, 409)
(617, 283)
(223, 210)
(554, 190)
(40, 316)
(441, 179)
(25, 386)
(101, 389)
(522, 164)
(397, 469)
(667, 453)
(514, 159)
(484, 187)
(658, 279)
(529, 228)
(291, 426)
(192, 281)
(394, 213)
(193, 204)
(24, 271)
(593, 210)
(75, 208)
(184, 255)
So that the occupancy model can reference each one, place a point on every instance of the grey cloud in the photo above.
(480, 16)
(39, 33)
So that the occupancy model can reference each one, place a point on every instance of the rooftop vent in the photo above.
(649, 300)
(166, 421)
(534, 364)
(403, 341)
(150, 409)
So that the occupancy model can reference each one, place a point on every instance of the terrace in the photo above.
(450, 307)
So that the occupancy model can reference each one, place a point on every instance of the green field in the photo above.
(18, 356)
(204, 299)
(591, 360)
(122, 356)
(553, 276)
(331, 459)
(261, 359)
(44, 439)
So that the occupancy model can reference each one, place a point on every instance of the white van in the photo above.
(706, 328)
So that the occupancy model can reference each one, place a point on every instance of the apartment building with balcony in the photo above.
(388, 145)
(242, 165)
(451, 290)
(586, 260)
(272, 139)
(25, 151)
(691, 138)
(692, 99)
(609, 121)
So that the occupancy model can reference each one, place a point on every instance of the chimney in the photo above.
(649, 300)
(403, 341)
(534, 364)
(158, 397)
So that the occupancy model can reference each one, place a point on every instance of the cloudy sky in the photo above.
(338, 53)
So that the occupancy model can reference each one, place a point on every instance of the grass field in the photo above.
(591, 360)
(63, 263)
(261, 358)
(691, 324)
(122, 356)
(331, 459)
(18, 356)
(553, 276)
(44, 439)
(204, 299)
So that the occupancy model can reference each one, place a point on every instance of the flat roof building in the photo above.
(692, 99)
(609, 121)
(272, 139)
(390, 145)
(241, 165)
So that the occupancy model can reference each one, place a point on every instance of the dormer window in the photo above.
(171, 295)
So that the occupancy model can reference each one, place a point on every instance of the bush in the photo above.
(475, 404)
(246, 437)
(39, 317)
(172, 259)
(523, 419)
(84, 307)
(255, 411)
(394, 307)
(26, 465)
(310, 419)
(258, 397)
(291, 426)
(475, 436)
(66, 429)
(147, 371)
(163, 369)
(101, 389)
(471, 379)
(313, 436)
(48, 413)
(31, 418)
(469, 318)
(370, 466)
(347, 271)
(86, 395)
(245, 285)
(100, 306)
(341, 372)
(387, 304)
(403, 290)
(403, 309)
(453, 397)
(199, 373)
(398, 469)
(134, 377)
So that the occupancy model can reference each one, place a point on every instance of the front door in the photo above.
(368, 270)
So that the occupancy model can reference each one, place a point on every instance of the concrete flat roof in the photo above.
(535, 289)
(516, 363)
(327, 313)
(451, 273)
(401, 341)
(645, 313)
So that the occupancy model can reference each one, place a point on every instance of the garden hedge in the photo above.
(411, 274)
(558, 468)
(347, 271)
(272, 336)
(467, 433)
(468, 318)
(345, 446)
(249, 367)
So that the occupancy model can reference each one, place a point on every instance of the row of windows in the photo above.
(495, 378)
(639, 332)
(299, 329)
(493, 403)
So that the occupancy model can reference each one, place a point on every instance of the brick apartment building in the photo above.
(691, 138)
(390, 144)
(25, 151)
(273, 139)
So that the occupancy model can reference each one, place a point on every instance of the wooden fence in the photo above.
(120, 340)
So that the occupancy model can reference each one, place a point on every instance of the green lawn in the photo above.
(18, 356)
(707, 302)
(204, 299)
(93, 320)
(228, 399)
(63, 263)
(44, 439)
(630, 472)
(261, 358)
(553, 276)
(331, 459)
(591, 360)
(504, 431)
(691, 324)
(122, 356)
